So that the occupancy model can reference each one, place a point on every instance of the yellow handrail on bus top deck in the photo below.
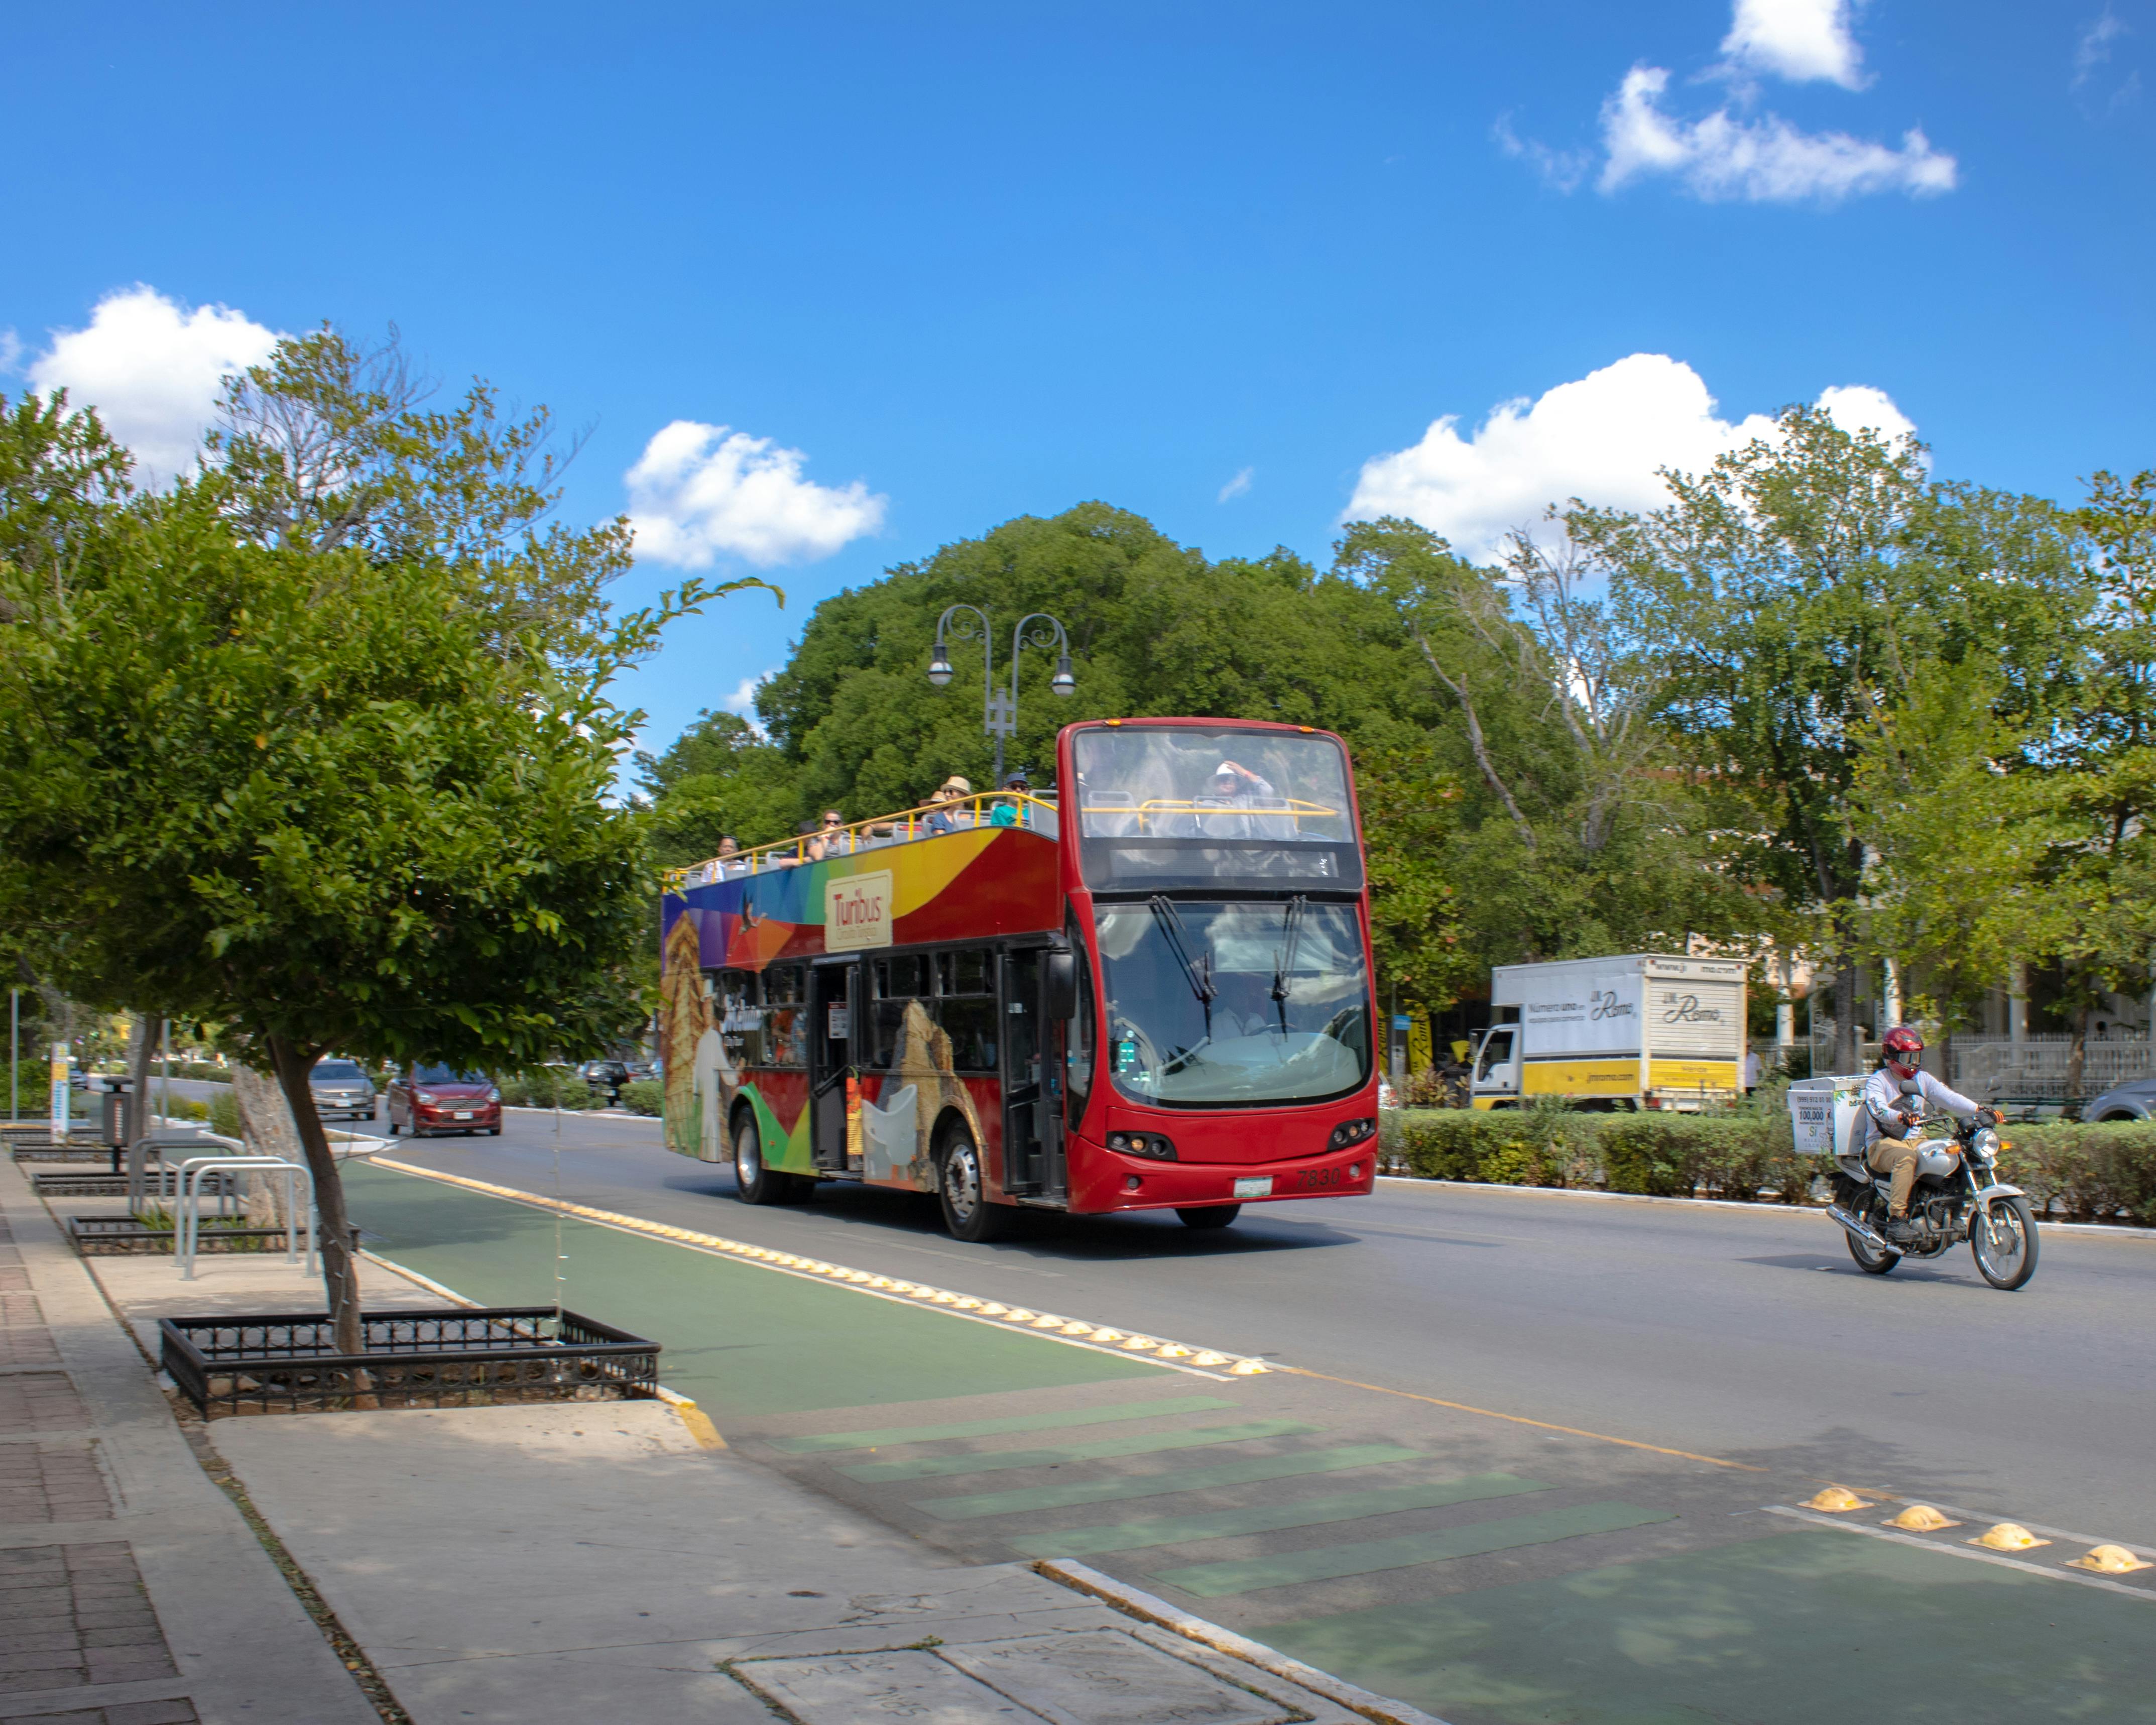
(792, 853)
(908, 823)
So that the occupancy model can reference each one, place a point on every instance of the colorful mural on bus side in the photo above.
(968, 885)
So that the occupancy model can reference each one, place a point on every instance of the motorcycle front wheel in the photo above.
(2005, 1245)
(1870, 1262)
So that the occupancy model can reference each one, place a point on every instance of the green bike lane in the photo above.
(1485, 1569)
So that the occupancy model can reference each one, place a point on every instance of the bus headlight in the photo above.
(1350, 1132)
(1152, 1144)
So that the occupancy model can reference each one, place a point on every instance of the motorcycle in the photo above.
(1957, 1197)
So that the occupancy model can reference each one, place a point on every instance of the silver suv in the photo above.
(342, 1091)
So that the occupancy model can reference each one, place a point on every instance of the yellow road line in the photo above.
(1600, 1437)
(1098, 1338)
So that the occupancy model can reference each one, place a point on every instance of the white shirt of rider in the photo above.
(1885, 1101)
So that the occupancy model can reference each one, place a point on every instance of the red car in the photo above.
(427, 1100)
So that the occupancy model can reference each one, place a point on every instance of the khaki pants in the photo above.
(1897, 1157)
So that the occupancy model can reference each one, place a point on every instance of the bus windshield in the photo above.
(1213, 1004)
(1173, 806)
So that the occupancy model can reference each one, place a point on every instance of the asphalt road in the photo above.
(1732, 1332)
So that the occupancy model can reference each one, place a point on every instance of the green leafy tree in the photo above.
(1574, 833)
(1795, 587)
(342, 786)
(719, 777)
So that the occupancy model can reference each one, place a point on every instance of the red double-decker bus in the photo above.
(1148, 991)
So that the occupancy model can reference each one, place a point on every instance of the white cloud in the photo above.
(1600, 438)
(1238, 485)
(2093, 50)
(742, 700)
(152, 369)
(1561, 169)
(1764, 161)
(1796, 39)
(701, 491)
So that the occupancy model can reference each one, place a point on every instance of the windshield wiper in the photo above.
(1197, 972)
(1284, 959)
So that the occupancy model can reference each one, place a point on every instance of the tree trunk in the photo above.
(2077, 1056)
(1844, 1016)
(141, 1052)
(266, 1125)
(340, 1274)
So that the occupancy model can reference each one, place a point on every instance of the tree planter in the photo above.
(74, 1150)
(157, 1182)
(113, 1236)
(451, 1358)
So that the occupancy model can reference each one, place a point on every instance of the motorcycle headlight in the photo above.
(1985, 1144)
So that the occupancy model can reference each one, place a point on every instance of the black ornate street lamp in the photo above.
(999, 709)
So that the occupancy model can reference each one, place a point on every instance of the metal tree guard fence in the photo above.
(449, 1358)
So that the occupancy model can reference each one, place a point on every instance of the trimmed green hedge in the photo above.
(643, 1095)
(2081, 1172)
(548, 1087)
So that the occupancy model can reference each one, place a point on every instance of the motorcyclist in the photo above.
(1894, 1099)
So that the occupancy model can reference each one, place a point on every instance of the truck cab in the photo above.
(1495, 1074)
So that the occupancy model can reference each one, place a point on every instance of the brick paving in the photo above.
(32, 1402)
(73, 1615)
(52, 1482)
(24, 1340)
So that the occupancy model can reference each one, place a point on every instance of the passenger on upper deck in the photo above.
(724, 866)
(947, 814)
(1235, 787)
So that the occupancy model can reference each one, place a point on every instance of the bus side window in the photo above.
(966, 1008)
(740, 1017)
(785, 1017)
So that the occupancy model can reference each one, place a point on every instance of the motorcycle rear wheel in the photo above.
(2008, 1260)
(1870, 1262)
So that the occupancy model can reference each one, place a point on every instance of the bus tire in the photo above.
(1210, 1215)
(754, 1183)
(961, 1188)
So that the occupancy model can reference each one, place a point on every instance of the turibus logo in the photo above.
(857, 913)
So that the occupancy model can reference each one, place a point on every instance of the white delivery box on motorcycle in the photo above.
(1826, 1115)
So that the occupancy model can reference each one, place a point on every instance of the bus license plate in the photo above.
(462, 1114)
(1259, 1188)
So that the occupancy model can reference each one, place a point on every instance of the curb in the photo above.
(1083, 1578)
(2109, 1230)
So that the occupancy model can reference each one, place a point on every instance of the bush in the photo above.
(225, 1114)
(1537, 1146)
(2092, 1173)
(548, 1087)
(186, 1108)
(1665, 1155)
(643, 1095)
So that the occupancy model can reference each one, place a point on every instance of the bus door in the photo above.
(834, 1022)
(1032, 1106)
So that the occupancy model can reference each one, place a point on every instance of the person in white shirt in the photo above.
(1891, 1112)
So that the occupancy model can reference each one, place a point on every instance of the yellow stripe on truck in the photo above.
(1613, 1077)
(1691, 1074)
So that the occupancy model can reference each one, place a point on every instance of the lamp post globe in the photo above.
(1063, 682)
(939, 667)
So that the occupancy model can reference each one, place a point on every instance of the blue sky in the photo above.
(971, 262)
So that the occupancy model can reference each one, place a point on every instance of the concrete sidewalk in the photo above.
(131, 1590)
(596, 1561)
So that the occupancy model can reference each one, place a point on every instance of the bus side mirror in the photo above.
(1058, 986)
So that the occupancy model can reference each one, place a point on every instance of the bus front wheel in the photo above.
(1210, 1215)
(963, 1188)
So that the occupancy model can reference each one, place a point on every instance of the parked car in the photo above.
(424, 1101)
(2135, 1100)
(343, 1091)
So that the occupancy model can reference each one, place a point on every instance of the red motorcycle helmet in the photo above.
(1903, 1047)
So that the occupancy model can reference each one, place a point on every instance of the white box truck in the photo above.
(1643, 1029)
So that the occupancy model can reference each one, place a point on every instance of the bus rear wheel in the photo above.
(754, 1183)
(963, 1188)
(1210, 1215)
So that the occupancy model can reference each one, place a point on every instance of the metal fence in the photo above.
(447, 1359)
(2035, 1068)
